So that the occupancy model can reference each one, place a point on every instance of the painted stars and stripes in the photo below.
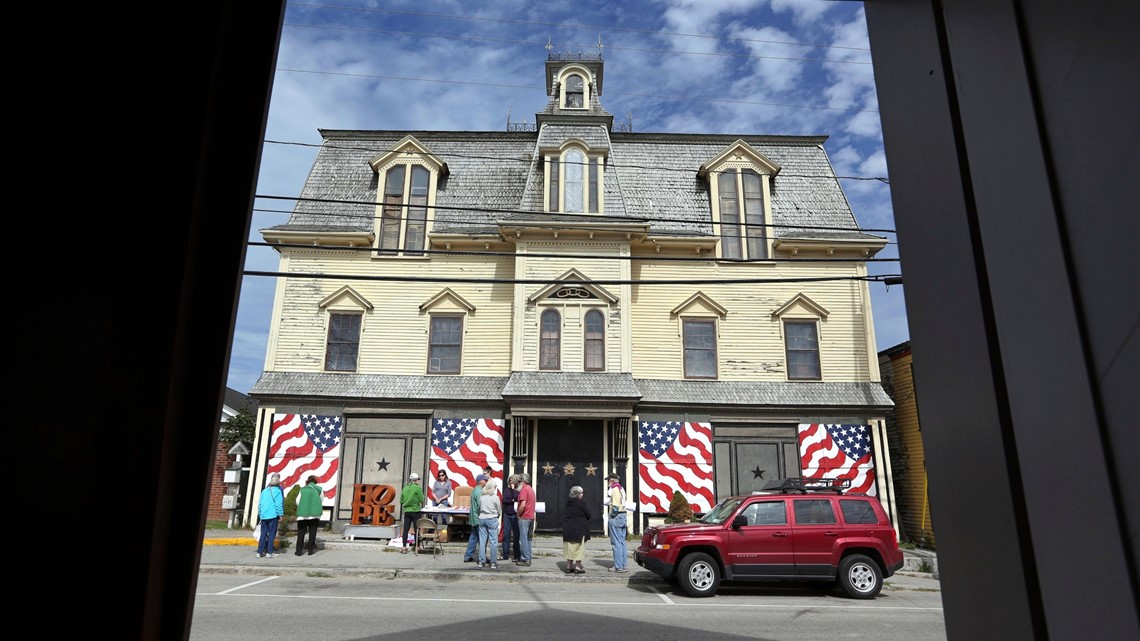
(838, 451)
(464, 446)
(675, 456)
(306, 444)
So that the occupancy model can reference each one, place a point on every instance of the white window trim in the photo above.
(590, 158)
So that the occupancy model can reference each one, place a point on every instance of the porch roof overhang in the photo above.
(584, 394)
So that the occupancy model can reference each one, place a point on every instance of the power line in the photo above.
(585, 217)
(617, 93)
(651, 258)
(555, 280)
(579, 26)
(572, 46)
(326, 145)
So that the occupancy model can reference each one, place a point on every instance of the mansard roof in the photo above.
(496, 176)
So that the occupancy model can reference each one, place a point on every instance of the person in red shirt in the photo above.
(524, 508)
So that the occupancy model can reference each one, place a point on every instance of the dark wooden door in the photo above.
(569, 453)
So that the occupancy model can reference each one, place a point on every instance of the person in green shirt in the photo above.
(473, 518)
(309, 511)
(411, 501)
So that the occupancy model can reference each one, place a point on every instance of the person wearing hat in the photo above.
(615, 501)
(411, 501)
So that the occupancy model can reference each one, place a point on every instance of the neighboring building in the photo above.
(689, 310)
(904, 438)
(233, 402)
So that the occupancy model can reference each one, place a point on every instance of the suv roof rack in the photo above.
(803, 486)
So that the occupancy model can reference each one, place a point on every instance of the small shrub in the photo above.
(290, 517)
(679, 509)
(906, 545)
(924, 566)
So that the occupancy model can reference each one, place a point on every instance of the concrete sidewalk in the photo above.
(235, 551)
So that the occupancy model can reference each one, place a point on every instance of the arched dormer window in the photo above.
(575, 92)
(574, 181)
(400, 218)
(550, 341)
(741, 192)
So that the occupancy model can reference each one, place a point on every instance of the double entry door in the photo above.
(569, 452)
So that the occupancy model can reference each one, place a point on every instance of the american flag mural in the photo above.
(838, 451)
(463, 446)
(675, 456)
(304, 444)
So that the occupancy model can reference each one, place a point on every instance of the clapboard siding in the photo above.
(750, 342)
(394, 333)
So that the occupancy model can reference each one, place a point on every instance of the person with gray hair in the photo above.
(270, 509)
(575, 531)
(524, 508)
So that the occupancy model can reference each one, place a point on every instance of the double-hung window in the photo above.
(445, 344)
(802, 346)
(550, 341)
(700, 348)
(575, 183)
(405, 209)
(343, 342)
(741, 196)
(595, 346)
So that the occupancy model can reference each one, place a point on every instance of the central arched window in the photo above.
(575, 91)
(575, 165)
(550, 342)
(575, 182)
(595, 347)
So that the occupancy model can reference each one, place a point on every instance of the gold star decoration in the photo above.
(591, 470)
(548, 469)
(568, 469)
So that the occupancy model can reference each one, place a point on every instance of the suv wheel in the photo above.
(860, 577)
(699, 575)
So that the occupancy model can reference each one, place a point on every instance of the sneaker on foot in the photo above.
(312, 552)
(494, 566)
(622, 571)
(479, 565)
(271, 555)
(468, 560)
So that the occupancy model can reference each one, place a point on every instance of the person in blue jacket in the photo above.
(270, 509)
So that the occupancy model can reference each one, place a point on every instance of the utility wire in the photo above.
(554, 280)
(614, 165)
(576, 26)
(651, 258)
(584, 217)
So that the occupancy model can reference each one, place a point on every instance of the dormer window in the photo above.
(407, 179)
(404, 219)
(575, 92)
(574, 182)
(740, 182)
(741, 196)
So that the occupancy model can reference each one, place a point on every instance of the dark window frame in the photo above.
(599, 342)
(550, 344)
(697, 350)
(791, 347)
(342, 342)
(435, 342)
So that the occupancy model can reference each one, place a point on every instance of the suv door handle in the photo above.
(830, 533)
(780, 534)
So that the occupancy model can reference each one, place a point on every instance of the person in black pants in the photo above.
(511, 520)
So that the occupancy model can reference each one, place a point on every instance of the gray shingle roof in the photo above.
(579, 385)
(584, 385)
(649, 176)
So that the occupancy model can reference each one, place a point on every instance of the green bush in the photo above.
(679, 509)
(290, 517)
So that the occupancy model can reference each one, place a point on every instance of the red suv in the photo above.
(790, 532)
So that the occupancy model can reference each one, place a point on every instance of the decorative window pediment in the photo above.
(740, 186)
(699, 302)
(573, 285)
(801, 306)
(345, 297)
(407, 178)
(448, 300)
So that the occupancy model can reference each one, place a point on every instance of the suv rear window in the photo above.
(814, 512)
(858, 512)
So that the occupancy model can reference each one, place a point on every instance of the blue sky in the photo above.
(788, 67)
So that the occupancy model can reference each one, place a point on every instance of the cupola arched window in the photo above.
(575, 92)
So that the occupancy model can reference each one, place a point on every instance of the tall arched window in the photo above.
(742, 214)
(399, 219)
(595, 347)
(575, 94)
(574, 169)
(550, 341)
